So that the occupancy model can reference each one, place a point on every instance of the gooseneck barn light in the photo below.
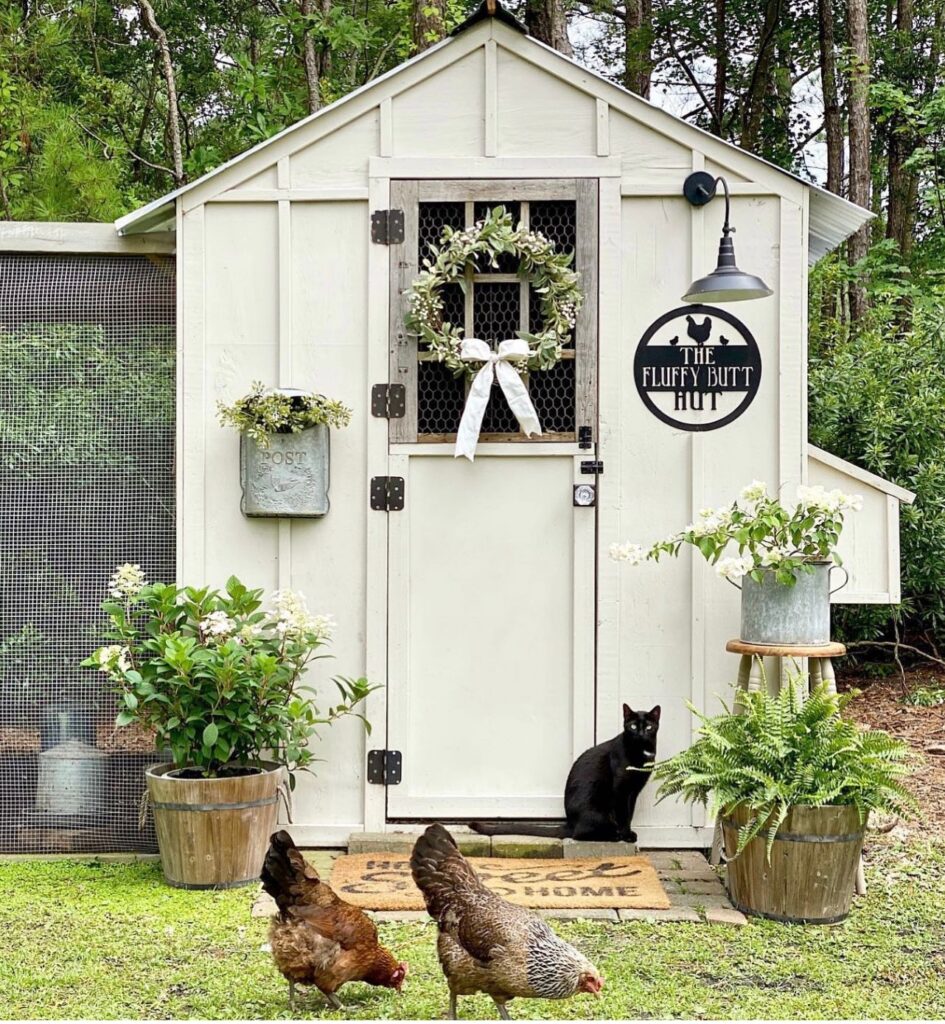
(726, 283)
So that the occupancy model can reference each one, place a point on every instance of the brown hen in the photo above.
(316, 938)
(487, 944)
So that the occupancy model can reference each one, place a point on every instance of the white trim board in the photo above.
(494, 167)
(69, 237)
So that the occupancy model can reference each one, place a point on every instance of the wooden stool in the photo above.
(751, 676)
(751, 668)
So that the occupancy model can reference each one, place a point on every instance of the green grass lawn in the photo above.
(88, 939)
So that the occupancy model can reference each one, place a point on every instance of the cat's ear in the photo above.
(655, 713)
(627, 712)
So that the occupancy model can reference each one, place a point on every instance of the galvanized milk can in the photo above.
(797, 616)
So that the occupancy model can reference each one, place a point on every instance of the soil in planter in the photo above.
(234, 771)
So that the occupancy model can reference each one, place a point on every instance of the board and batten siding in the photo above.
(280, 283)
(669, 621)
(264, 302)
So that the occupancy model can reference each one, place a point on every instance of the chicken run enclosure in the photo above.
(479, 593)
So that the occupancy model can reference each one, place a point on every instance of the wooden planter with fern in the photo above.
(810, 875)
(793, 782)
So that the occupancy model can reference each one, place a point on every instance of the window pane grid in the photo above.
(496, 308)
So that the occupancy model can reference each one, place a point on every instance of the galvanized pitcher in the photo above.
(797, 616)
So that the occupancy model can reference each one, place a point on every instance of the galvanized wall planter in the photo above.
(797, 616)
(289, 478)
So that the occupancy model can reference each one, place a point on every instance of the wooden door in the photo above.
(491, 601)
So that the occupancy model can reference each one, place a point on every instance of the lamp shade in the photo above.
(726, 283)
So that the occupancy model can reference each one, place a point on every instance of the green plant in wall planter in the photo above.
(221, 681)
(284, 449)
(793, 783)
(786, 554)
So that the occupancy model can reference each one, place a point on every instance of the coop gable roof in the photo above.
(832, 219)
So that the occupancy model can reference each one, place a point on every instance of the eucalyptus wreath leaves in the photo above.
(547, 270)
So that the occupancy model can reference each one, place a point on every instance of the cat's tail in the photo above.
(519, 828)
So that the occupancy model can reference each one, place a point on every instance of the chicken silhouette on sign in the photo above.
(692, 376)
(699, 332)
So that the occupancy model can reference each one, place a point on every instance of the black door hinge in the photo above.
(585, 437)
(387, 493)
(388, 401)
(385, 767)
(387, 227)
(595, 467)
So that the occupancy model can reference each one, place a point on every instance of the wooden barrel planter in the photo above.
(213, 833)
(810, 877)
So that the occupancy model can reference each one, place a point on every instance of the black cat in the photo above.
(602, 788)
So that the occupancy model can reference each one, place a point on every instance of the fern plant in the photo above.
(788, 750)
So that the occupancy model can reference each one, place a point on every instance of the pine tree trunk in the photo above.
(721, 65)
(903, 183)
(828, 77)
(310, 60)
(428, 23)
(754, 104)
(638, 43)
(858, 246)
(173, 115)
(546, 21)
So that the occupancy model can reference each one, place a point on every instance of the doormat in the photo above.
(383, 882)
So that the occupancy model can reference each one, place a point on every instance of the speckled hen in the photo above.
(487, 944)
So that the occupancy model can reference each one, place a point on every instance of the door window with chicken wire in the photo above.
(496, 304)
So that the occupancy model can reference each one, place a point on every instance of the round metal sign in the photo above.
(697, 368)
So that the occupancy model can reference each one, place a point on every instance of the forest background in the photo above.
(104, 106)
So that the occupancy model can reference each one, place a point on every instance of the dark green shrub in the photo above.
(877, 398)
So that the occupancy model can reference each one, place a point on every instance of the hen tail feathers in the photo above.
(439, 870)
(284, 869)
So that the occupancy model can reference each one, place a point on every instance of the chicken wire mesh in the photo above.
(86, 482)
(496, 315)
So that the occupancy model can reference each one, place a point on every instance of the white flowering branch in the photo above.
(769, 536)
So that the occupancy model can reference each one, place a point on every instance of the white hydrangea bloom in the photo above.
(818, 498)
(124, 660)
(735, 568)
(774, 556)
(126, 582)
(294, 618)
(217, 624)
(755, 491)
(108, 657)
(632, 553)
(710, 520)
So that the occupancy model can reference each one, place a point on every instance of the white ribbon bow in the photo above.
(495, 365)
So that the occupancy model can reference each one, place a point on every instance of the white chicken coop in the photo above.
(480, 593)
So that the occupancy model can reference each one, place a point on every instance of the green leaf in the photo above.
(210, 734)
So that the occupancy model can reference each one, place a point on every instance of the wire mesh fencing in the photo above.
(86, 483)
